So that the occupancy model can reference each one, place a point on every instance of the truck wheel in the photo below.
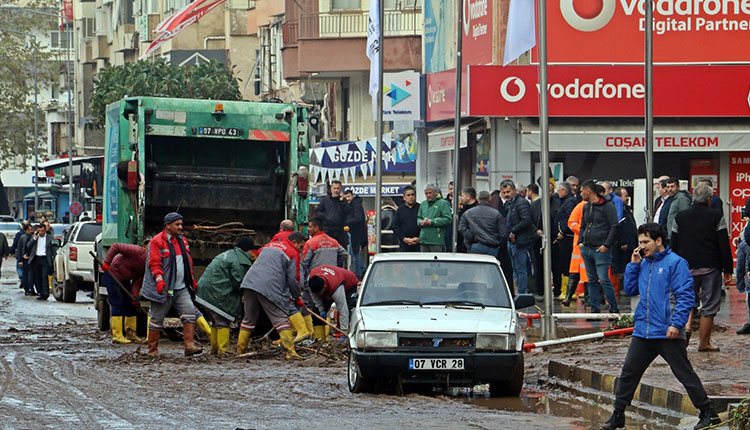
(357, 384)
(102, 313)
(57, 289)
(69, 290)
(510, 388)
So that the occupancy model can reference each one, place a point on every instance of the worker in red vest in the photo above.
(331, 284)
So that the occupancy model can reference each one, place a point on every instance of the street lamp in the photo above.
(36, 115)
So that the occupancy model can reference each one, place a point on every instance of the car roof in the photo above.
(434, 256)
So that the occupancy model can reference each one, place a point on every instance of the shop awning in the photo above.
(441, 139)
(631, 138)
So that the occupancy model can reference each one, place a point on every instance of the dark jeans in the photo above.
(640, 355)
(119, 302)
(480, 248)
(506, 265)
(41, 270)
(597, 269)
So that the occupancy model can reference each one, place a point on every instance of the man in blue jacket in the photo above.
(656, 273)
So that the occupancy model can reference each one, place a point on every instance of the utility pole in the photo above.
(457, 126)
(548, 322)
(70, 114)
(649, 108)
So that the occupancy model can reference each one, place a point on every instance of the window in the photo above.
(60, 40)
(346, 5)
(403, 4)
(88, 232)
(88, 27)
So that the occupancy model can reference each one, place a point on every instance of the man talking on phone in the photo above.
(656, 273)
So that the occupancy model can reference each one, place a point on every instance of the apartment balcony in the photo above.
(100, 47)
(309, 42)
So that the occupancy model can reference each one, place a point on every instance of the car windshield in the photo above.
(458, 283)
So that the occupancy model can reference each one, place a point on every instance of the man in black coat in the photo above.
(468, 200)
(333, 210)
(405, 225)
(563, 235)
(521, 232)
(357, 223)
(40, 253)
(22, 260)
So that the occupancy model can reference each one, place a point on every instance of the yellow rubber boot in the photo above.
(319, 332)
(288, 344)
(222, 339)
(308, 323)
(564, 287)
(214, 342)
(117, 336)
(203, 324)
(131, 329)
(242, 341)
(299, 324)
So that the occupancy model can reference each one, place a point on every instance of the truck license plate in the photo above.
(436, 364)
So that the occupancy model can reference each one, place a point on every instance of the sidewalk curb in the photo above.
(646, 393)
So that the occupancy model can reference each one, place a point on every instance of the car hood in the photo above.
(436, 319)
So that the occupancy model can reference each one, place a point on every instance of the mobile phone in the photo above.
(640, 253)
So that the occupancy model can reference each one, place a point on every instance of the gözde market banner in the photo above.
(602, 91)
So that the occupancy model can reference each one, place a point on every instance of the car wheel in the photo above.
(357, 384)
(511, 387)
(57, 289)
(102, 313)
(69, 290)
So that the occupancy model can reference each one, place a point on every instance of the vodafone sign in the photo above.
(603, 91)
(478, 30)
(612, 31)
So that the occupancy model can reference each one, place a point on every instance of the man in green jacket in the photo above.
(219, 291)
(433, 217)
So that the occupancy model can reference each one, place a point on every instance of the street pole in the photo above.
(649, 101)
(70, 116)
(457, 126)
(36, 134)
(379, 139)
(548, 322)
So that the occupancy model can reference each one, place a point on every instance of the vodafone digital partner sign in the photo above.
(618, 91)
(612, 31)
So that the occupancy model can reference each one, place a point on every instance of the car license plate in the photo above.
(436, 364)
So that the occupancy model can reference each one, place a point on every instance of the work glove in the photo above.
(134, 303)
(105, 267)
(323, 314)
(299, 303)
(160, 287)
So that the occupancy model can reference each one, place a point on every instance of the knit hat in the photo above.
(171, 217)
(246, 243)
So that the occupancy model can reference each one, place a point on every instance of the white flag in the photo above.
(373, 46)
(363, 168)
(319, 154)
(353, 173)
(521, 33)
(346, 175)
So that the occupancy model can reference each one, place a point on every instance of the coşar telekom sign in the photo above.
(612, 31)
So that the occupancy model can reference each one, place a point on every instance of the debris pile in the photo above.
(222, 236)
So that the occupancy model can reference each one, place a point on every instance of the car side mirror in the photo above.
(524, 301)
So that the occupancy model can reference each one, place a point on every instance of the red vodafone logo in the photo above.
(515, 92)
(587, 15)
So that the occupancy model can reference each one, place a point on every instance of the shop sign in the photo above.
(604, 91)
(368, 190)
(634, 141)
(612, 31)
(478, 30)
(444, 140)
(401, 97)
(441, 95)
(439, 35)
(739, 186)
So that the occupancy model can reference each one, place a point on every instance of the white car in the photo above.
(436, 319)
(74, 266)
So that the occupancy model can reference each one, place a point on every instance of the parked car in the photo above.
(436, 319)
(9, 229)
(74, 266)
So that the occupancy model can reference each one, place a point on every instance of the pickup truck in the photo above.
(74, 266)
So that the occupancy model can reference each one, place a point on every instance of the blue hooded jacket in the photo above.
(655, 279)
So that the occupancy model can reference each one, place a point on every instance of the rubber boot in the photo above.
(308, 323)
(188, 333)
(299, 325)
(131, 329)
(117, 336)
(319, 332)
(153, 343)
(288, 344)
(570, 289)
(203, 324)
(242, 341)
(563, 287)
(222, 340)
(705, 335)
(214, 342)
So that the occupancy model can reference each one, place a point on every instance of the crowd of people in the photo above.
(34, 249)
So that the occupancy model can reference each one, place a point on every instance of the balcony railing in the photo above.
(354, 24)
(290, 33)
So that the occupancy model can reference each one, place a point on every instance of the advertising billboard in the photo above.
(439, 35)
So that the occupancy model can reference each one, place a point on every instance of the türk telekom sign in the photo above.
(602, 91)
(612, 31)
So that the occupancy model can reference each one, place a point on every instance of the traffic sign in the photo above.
(76, 208)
